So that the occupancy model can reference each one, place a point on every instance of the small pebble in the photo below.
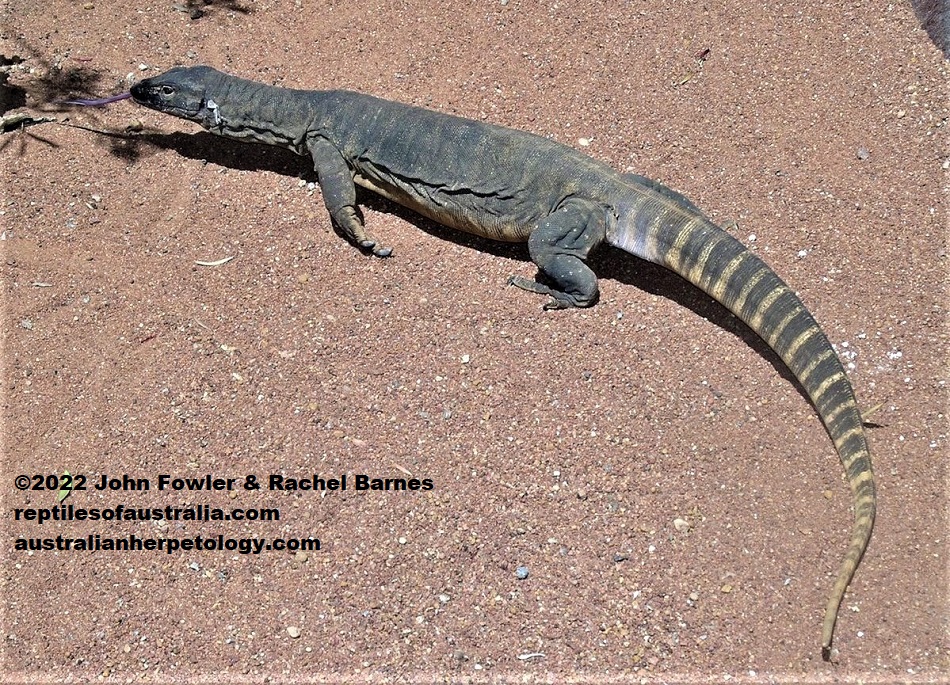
(293, 631)
(681, 525)
(521, 572)
(863, 153)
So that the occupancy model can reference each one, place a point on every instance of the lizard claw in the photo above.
(378, 250)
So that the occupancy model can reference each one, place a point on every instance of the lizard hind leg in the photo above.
(559, 246)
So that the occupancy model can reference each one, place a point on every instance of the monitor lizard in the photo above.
(509, 185)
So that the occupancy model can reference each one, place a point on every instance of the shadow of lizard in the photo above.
(611, 263)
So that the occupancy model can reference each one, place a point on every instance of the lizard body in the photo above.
(514, 186)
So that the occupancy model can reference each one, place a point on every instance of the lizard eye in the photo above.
(168, 90)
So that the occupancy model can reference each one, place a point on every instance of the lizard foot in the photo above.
(558, 300)
(348, 222)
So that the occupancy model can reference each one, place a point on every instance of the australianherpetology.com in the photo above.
(514, 186)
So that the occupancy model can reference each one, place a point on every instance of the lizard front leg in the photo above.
(339, 195)
(559, 246)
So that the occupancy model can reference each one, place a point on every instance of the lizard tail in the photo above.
(678, 237)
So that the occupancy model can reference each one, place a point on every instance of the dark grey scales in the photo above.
(514, 186)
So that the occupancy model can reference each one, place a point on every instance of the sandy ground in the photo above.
(566, 443)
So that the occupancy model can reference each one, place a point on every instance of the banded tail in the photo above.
(663, 228)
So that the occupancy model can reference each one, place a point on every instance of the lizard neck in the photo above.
(254, 112)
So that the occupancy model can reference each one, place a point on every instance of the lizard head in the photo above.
(181, 92)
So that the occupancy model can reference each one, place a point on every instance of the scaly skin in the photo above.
(513, 186)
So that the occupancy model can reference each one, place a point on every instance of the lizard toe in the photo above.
(558, 303)
(530, 285)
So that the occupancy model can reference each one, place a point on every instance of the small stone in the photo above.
(726, 589)
(863, 153)
(293, 631)
(521, 572)
(301, 556)
(303, 278)
(681, 525)
(828, 494)
(583, 142)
